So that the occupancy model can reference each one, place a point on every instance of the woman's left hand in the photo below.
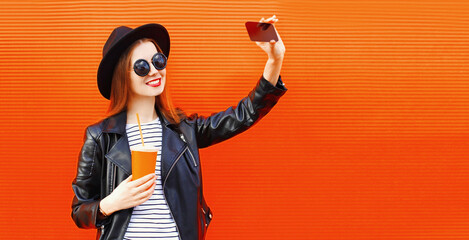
(274, 50)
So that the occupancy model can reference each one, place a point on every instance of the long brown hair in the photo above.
(120, 87)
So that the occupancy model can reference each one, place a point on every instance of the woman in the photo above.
(168, 204)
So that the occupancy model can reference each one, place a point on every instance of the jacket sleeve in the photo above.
(87, 185)
(237, 119)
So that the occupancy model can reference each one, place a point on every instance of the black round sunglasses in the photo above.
(142, 67)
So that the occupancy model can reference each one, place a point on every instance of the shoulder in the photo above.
(186, 119)
(186, 122)
(182, 115)
(95, 130)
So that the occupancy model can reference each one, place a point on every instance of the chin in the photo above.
(157, 91)
(157, 94)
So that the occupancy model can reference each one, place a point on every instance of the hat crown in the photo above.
(115, 36)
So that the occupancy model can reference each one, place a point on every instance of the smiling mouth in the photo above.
(154, 83)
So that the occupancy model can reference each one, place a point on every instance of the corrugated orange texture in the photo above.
(370, 142)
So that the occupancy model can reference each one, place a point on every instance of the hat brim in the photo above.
(153, 31)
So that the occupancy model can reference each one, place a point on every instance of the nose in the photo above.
(153, 70)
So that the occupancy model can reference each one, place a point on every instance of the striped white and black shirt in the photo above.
(151, 219)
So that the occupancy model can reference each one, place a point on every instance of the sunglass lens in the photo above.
(141, 67)
(159, 61)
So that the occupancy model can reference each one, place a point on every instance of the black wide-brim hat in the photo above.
(119, 40)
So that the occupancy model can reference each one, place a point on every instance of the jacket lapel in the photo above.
(119, 154)
(172, 147)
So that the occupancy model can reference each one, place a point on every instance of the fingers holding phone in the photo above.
(271, 20)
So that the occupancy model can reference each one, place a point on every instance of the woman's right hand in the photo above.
(129, 194)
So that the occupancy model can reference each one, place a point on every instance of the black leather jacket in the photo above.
(104, 162)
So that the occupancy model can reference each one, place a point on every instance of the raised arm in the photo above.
(237, 119)
(234, 120)
(275, 52)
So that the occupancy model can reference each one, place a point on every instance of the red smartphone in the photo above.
(261, 32)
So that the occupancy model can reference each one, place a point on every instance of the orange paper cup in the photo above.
(143, 160)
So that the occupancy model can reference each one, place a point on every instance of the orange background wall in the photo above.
(370, 141)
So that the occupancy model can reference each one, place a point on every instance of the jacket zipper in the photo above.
(164, 183)
(192, 156)
(113, 183)
(193, 159)
(114, 178)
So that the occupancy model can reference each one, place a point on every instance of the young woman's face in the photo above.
(153, 83)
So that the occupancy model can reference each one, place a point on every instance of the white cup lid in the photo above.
(141, 148)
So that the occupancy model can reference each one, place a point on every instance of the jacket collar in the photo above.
(116, 123)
